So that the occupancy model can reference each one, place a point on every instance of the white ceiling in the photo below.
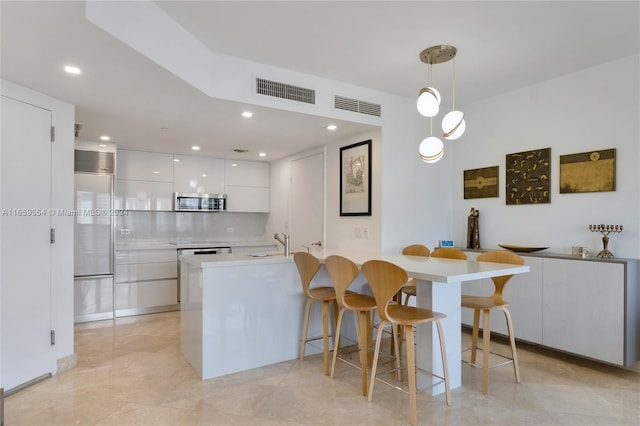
(502, 46)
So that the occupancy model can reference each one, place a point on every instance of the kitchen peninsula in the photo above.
(242, 311)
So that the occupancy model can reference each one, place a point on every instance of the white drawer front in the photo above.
(145, 256)
(146, 271)
(146, 294)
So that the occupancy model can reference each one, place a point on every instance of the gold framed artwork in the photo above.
(528, 177)
(481, 183)
(593, 171)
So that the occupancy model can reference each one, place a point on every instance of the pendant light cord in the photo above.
(453, 98)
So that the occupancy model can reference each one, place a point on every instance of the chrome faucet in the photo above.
(284, 242)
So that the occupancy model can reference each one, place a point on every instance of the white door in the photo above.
(26, 249)
(307, 202)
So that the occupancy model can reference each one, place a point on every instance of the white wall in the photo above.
(597, 108)
(63, 116)
(341, 229)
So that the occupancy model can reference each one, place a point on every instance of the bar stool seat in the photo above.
(308, 266)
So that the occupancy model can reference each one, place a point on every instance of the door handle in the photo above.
(319, 244)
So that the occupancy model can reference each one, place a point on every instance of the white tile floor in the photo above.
(130, 372)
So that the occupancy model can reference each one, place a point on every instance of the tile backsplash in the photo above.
(190, 226)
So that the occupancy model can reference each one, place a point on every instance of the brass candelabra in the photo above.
(605, 230)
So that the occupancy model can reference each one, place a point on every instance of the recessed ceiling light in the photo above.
(332, 127)
(155, 172)
(204, 175)
(72, 70)
(247, 114)
(263, 154)
(195, 148)
(176, 160)
(234, 165)
(105, 138)
(102, 145)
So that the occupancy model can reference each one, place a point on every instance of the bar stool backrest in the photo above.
(308, 265)
(416, 250)
(385, 280)
(342, 272)
(500, 256)
(449, 253)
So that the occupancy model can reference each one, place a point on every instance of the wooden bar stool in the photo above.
(385, 280)
(485, 304)
(410, 289)
(308, 265)
(342, 272)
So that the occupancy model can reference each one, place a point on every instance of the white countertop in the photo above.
(159, 245)
(425, 268)
(232, 259)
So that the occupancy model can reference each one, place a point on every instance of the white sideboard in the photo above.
(588, 307)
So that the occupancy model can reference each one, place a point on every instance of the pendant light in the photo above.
(453, 124)
(431, 149)
(428, 103)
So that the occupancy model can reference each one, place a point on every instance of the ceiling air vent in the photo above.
(285, 91)
(355, 105)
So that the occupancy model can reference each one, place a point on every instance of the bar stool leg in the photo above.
(445, 367)
(486, 349)
(512, 340)
(374, 366)
(364, 348)
(325, 336)
(411, 372)
(474, 335)
(305, 329)
(336, 343)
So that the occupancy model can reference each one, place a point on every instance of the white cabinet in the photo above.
(523, 292)
(144, 181)
(247, 186)
(150, 166)
(143, 195)
(202, 175)
(584, 307)
(146, 281)
(588, 307)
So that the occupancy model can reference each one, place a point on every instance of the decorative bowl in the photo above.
(522, 249)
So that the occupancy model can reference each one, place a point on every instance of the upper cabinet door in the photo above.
(202, 175)
(149, 166)
(246, 173)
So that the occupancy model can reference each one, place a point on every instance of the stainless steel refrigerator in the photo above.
(94, 235)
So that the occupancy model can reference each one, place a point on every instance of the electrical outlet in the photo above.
(365, 232)
(358, 232)
(230, 230)
(125, 231)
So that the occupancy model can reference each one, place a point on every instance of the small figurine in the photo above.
(473, 229)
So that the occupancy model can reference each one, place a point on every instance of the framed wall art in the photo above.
(355, 179)
(481, 183)
(528, 177)
(593, 171)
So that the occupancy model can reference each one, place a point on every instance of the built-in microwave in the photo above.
(200, 202)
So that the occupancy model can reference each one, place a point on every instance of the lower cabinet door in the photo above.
(584, 308)
(146, 297)
(93, 298)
